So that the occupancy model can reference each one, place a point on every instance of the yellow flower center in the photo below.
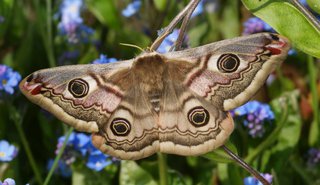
(98, 164)
(4, 82)
(2, 154)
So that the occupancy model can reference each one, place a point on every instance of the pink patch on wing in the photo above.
(202, 85)
(108, 101)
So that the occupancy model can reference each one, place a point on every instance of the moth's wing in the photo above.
(253, 57)
(82, 96)
(106, 100)
(188, 124)
(137, 125)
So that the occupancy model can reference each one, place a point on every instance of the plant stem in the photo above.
(312, 69)
(306, 13)
(163, 171)
(56, 160)
(18, 122)
(49, 35)
(301, 171)
(270, 139)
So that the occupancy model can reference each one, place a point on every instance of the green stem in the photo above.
(163, 169)
(49, 35)
(56, 160)
(270, 139)
(46, 35)
(312, 69)
(3, 169)
(18, 122)
(301, 171)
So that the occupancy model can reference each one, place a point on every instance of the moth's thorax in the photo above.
(148, 73)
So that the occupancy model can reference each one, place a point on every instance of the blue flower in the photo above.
(98, 161)
(256, 114)
(80, 143)
(71, 23)
(104, 60)
(256, 25)
(7, 151)
(67, 56)
(1, 19)
(8, 181)
(62, 169)
(132, 8)
(254, 181)
(9, 79)
(168, 42)
(313, 156)
(77, 144)
(198, 10)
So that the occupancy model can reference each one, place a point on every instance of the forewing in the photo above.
(82, 96)
(228, 73)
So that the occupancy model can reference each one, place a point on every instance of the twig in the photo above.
(245, 166)
(172, 25)
(307, 13)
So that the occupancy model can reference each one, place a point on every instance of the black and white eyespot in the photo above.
(228, 63)
(78, 88)
(198, 116)
(120, 127)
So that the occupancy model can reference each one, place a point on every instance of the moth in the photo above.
(174, 103)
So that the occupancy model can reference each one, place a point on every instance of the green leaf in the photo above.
(288, 21)
(219, 155)
(105, 11)
(131, 173)
(229, 174)
(81, 175)
(289, 136)
(314, 5)
(160, 4)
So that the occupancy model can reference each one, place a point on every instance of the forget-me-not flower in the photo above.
(1, 19)
(80, 145)
(62, 169)
(8, 181)
(104, 60)
(168, 42)
(71, 23)
(313, 156)
(9, 79)
(253, 181)
(132, 8)
(256, 25)
(255, 114)
(7, 151)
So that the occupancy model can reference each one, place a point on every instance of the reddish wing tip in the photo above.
(34, 89)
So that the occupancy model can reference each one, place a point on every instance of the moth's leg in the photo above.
(245, 166)
(173, 24)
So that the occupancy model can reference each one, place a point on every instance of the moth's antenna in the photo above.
(245, 165)
(132, 45)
